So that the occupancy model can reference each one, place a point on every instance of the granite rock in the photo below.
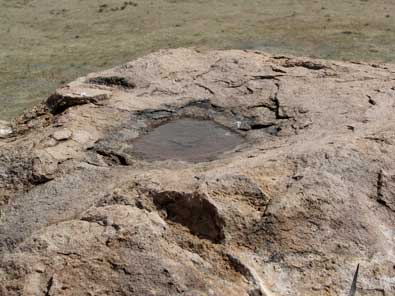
(292, 210)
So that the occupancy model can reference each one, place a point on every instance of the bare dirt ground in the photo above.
(46, 43)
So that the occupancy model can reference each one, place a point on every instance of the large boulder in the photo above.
(291, 209)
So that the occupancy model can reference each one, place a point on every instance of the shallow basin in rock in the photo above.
(187, 140)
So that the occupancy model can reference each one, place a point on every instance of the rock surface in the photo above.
(308, 195)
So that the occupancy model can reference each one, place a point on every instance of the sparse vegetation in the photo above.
(45, 43)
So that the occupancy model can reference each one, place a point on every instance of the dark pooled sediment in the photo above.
(188, 140)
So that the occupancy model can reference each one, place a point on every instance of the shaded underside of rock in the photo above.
(291, 209)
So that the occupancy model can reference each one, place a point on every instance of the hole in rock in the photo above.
(188, 140)
(193, 211)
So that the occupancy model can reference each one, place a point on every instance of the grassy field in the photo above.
(44, 43)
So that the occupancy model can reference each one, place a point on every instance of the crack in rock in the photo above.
(112, 81)
(48, 287)
(58, 103)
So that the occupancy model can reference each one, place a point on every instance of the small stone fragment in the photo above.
(5, 129)
(61, 135)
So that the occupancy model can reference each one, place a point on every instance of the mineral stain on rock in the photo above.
(187, 140)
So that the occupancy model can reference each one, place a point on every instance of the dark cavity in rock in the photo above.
(194, 211)
(112, 81)
(187, 140)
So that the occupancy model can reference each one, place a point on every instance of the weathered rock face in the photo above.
(306, 195)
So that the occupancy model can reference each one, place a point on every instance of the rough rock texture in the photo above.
(292, 211)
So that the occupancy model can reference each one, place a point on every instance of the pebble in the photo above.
(5, 129)
(61, 135)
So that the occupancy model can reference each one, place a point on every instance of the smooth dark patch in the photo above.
(188, 140)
